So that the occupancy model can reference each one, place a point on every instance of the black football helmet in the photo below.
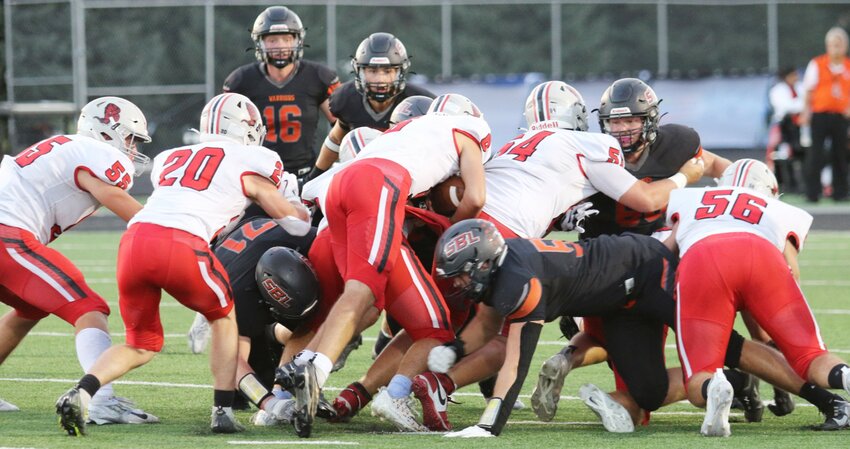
(287, 283)
(630, 97)
(380, 50)
(278, 20)
(409, 108)
(474, 247)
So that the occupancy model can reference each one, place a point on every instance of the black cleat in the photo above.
(783, 404)
(751, 400)
(72, 409)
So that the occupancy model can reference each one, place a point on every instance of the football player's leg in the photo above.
(13, 328)
(415, 302)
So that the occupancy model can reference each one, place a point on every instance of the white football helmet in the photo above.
(117, 122)
(233, 116)
(354, 141)
(454, 104)
(751, 174)
(558, 104)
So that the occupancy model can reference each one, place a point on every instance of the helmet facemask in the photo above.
(280, 57)
(379, 91)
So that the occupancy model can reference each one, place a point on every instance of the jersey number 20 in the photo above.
(198, 175)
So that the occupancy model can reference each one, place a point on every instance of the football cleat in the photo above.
(265, 419)
(199, 334)
(615, 417)
(223, 421)
(305, 387)
(718, 404)
(550, 381)
(397, 411)
(117, 410)
(845, 378)
(8, 406)
(431, 394)
(750, 399)
(73, 409)
(783, 404)
(351, 346)
(838, 418)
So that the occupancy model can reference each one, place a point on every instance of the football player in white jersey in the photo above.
(378, 271)
(198, 190)
(45, 190)
(534, 179)
(738, 244)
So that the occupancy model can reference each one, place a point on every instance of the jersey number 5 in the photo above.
(34, 152)
(746, 207)
(198, 175)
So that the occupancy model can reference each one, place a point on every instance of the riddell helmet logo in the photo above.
(460, 242)
(111, 112)
(276, 292)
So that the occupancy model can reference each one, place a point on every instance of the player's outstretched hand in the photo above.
(575, 216)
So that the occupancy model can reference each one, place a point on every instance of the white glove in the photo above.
(294, 226)
(289, 186)
(470, 432)
(575, 216)
(441, 358)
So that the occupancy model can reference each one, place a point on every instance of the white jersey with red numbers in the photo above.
(539, 175)
(198, 189)
(425, 146)
(38, 187)
(721, 210)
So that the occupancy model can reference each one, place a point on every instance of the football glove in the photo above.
(443, 357)
(574, 217)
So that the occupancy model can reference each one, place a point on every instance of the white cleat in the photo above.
(550, 381)
(199, 334)
(718, 403)
(615, 418)
(117, 410)
(845, 378)
(8, 406)
(397, 411)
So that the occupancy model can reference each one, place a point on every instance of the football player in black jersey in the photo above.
(288, 90)
(626, 279)
(380, 67)
(629, 111)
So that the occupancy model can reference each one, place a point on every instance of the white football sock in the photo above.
(91, 342)
(323, 366)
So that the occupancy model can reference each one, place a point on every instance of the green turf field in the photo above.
(175, 385)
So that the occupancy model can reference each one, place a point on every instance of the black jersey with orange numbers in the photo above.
(353, 110)
(290, 110)
(674, 146)
(239, 253)
(546, 279)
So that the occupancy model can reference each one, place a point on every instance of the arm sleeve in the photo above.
(608, 178)
(495, 420)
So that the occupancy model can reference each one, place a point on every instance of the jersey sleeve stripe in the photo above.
(529, 302)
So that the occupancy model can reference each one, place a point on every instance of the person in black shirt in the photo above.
(288, 90)
(380, 67)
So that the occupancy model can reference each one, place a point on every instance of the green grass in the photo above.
(44, 366)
